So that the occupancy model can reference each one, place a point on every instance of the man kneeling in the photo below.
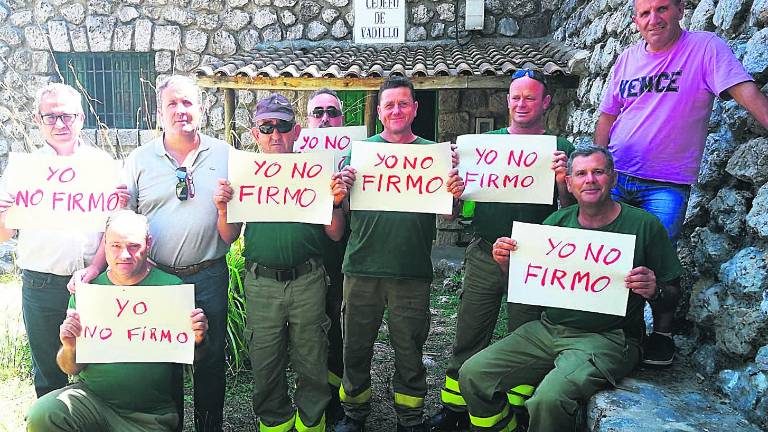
(116, 396)
(571, 354)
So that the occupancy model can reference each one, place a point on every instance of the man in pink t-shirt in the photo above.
(654, 119)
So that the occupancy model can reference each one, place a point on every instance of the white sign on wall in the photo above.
(379, 21)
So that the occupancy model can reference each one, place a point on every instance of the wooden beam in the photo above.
(370, 112)
(309, 83)
(229, 118)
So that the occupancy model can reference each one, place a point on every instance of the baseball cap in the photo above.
(274, 106)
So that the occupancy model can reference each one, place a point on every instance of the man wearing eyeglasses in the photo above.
(324, 110)
(172, 181)
(51, 259)
(388, 265)
(654, 118)
(484, 283)
(285, 291)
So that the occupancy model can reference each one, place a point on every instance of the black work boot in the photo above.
(421, 427)
(348, 424)
(334, 411)
(448, 420)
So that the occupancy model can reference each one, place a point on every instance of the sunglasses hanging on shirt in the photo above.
(185, 189)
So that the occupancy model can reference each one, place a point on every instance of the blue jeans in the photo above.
(666, 201)
(211, 285)
(44, 307)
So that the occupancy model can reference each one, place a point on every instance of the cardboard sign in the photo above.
(401, 177)
(287, 187)
(570, 268)
(337, 140)
(379, 21)
(61, 192)
(507, 168)
(135, 323)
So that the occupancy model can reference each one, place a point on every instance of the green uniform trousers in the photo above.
(583, 364)
(280, 313)
(483, 290)
(75, 408)
(408, 302)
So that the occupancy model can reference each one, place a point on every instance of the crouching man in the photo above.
(116, 396)
(569, 355)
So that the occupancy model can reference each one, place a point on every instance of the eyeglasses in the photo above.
(332, 112)
(282, 126)
(530, 74)
(51, 119)
(185, 189)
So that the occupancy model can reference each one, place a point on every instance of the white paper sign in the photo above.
(379, 21)
(135, 323)
(507, 168)
(61, 192)
(337, 140)
(288, 187)
(570, 268)
(401, 177)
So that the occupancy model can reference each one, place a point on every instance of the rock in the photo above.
(339, 30)
(729, 209)
(142, 35)
(711, 249)
(489, 25)
(706, 301)
(329, 15)
(79, 39)
(273, 33)
(746, 388)
(8, 256)
(236, 20)
(10, 35)
(718, 149)
(44, 11)
(534, 26)
(595, 32)
(21, 18)
(210, 5)
(421, 14)
(263, 18)
(100, 7)
(308, 10)
(417, 33)
(100, 29)
(739, 329)
(520, 8)
(610, 51)
(448, 100)
(208, 21)
(758, 15)
(167, 37)
(21, 60)
(596, 92)
(195, 40)
(350, 18)
(236, 3)
(295, 32)
(338, 3)
(245, 97)
(746, 272)
(495, 7)
(446, 12)
(702, 16)
(36, 37)
(726, 13)
(123, 38)
(757, 218)
(508, 27)
(447, 269)
(127, 13)
(186, 62)
(223, 43)
(178, 15)
(163, 61)
(756, 56)
(59, 36)
(285, 3)
(705, 359)
(74, 13)
(287, 17)
(453, 123)
(248, 39)
(749, 161)
(316, 30)
(761, 359)
(216, 118)
(4, 12)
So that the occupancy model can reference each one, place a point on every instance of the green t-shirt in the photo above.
(493, 220)
(284, 245)
(390, 244)
(134, 387)
(652, 249)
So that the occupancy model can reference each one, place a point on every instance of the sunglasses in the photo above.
(185, 189)
(530, 74)
(282, 126)
(51, 119)
(332, 112)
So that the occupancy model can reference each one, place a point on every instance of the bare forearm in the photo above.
(65, 358)
(228, 232)
(335, 231)
(603, 129)
(748, 95)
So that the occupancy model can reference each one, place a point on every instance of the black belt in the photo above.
(283, 275)
(189, 270)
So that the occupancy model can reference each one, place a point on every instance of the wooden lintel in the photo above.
(290, 83)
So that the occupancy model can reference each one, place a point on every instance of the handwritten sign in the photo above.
(401, 177)
(61, 192)
(507, 168)
(280, 187)
(379, 21)
(135, 323)
(337, 140)
(570, 268)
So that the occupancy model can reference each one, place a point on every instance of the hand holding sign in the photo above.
(642, 281)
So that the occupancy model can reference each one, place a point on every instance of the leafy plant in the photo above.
(237, 346)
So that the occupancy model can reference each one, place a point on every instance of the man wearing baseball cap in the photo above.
(285, 291)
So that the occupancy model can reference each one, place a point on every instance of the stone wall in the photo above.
(725, 243)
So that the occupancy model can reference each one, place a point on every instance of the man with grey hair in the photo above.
(657, 148)
(59, 117)
(172, 181)
(571, 354)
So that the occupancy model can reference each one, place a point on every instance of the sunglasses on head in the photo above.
(530, 74)
(185, 189)
(282, 126)
(332, 112)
